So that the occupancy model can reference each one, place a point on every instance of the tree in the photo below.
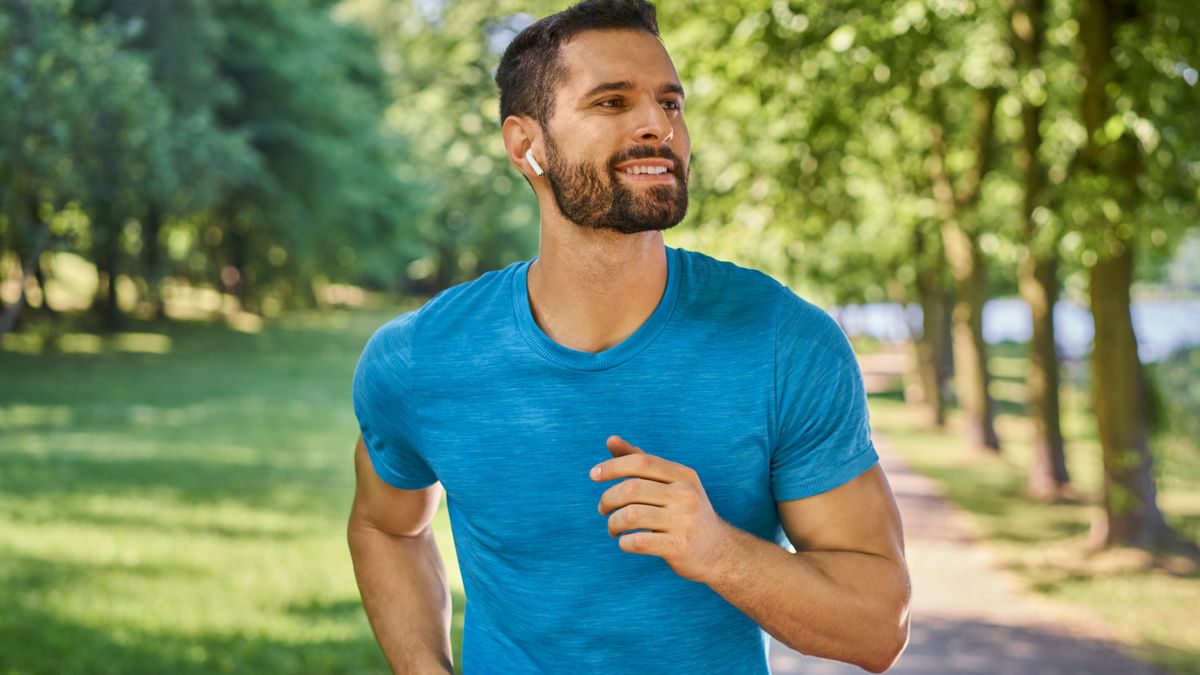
(847, 130)
(88, 129)
(1038, 267)
(1136, 181)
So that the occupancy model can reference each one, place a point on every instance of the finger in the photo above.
(619, 446)
(634, 491)
(644, 543)
(638, 517)
(641, 465)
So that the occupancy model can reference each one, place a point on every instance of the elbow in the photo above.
(891, 648)
(894, 638)
(886, 659)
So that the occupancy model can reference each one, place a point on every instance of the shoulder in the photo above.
(386, 358)
(462, 308)
(725, 291)
(799, 319)
(398, 338)
(793, 316)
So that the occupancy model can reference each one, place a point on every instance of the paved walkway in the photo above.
(968, 615)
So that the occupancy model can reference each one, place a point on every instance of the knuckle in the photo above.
(631, 489)
(689, 497)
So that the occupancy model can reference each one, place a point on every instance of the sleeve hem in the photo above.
(864, 459)
(387, 475)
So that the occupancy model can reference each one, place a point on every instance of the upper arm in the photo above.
(390, 509)
(858, 516)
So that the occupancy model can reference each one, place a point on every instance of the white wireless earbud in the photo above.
(533, 162)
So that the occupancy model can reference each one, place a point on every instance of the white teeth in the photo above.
(647, 169)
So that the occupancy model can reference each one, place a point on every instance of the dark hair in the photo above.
(530, 68)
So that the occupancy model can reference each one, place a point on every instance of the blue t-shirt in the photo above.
(732, 375)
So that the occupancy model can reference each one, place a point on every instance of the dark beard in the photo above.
(600, 201)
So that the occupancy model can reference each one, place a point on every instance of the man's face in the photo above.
(617, 147)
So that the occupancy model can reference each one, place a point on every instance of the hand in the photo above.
(667, 498)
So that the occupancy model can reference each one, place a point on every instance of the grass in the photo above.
(1149, 601)
(173, 500)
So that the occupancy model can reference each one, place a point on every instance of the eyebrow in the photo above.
(626, 85)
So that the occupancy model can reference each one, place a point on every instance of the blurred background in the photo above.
(207, 206)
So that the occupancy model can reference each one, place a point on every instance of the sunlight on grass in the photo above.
(81, 343)
(146, 343)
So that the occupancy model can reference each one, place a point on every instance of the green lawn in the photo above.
(173, 501)
(1150, 601)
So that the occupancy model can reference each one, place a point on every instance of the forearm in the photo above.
(843, 605)
(403, 585)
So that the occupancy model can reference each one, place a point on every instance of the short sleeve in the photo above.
(385, 405)
(823, 436)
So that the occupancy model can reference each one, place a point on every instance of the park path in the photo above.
(969, 616)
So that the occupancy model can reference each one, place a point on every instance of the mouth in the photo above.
(653, 170)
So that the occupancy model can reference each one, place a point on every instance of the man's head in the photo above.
(594, 93)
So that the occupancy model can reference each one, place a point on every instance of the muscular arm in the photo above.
(399, 570)
(844, 594)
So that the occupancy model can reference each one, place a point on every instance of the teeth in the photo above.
(647, 169)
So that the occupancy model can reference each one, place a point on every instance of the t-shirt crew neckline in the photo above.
(574, 359)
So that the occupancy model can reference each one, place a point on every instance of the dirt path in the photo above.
(968, 615)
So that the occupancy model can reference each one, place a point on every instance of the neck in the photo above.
(591, 289)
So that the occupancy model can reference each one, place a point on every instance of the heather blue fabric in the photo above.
(732, 374)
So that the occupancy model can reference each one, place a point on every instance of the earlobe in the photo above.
(537, 169)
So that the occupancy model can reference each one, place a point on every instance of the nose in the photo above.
(653, 123)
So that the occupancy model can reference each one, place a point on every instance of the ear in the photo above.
(522, 134)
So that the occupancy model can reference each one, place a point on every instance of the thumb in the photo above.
(619, 446)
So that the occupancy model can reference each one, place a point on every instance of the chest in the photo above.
(513, 452)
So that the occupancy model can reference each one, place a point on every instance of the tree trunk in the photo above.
(8, 321)
(967, 265)
(1048, 478)
(152, 259)
(1038, 271)
(929, 344)
(945, 352)
(1131, 514)
(111, 309)
(39, 275)
(971, 373)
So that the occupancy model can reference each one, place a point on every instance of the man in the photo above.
(614, 386)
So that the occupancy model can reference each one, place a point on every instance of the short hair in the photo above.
(530, 68)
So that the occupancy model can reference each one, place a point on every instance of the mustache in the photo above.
(648, 152)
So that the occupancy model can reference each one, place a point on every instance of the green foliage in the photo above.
(244, 134)
(1138, 180)
(356, 141)
(308, 93)
(84, 122)
(1177, 395)
(475, 212)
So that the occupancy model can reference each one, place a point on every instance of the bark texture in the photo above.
(1130, 515)
(967, 265)
(1038, 268)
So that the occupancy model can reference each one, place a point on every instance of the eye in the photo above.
(673, 105)
(611, 103)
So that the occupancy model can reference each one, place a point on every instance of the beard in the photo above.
(598, 199)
